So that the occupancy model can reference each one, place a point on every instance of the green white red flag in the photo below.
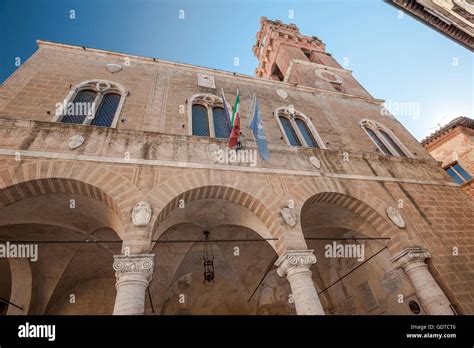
(235, 122)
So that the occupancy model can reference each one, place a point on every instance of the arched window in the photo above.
(107, 109)
(385, 140)
(298, 129)
(200, 121)
(94, 102)
(221, 128)
(77, 111)
(207, 117)
(305, 132)
(289, 131)
(377, 141)
(395, 146)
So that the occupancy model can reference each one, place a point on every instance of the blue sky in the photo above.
(397, 59)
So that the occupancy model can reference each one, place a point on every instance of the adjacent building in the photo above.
(452, 18)
(453, 146)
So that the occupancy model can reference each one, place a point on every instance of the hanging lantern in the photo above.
(208, 259)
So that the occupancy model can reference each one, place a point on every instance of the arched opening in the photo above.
(58, 273)
(245, 281)
(353, 273)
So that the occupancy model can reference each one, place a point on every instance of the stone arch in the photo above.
(99, 182)
(230, 194)
(357, 197)
(26, 189)
(103, 219)
(362, 209)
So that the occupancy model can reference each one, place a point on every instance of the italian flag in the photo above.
(235, 122)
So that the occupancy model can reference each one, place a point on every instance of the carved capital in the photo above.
(411, 255)
(140, 264)
(293, 260)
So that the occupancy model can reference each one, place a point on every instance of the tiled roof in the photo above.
(457, 122)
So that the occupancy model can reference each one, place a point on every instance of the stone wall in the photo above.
(152, 156)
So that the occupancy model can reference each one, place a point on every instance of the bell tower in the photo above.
(286, 55)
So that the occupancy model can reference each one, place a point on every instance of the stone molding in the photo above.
(410, 255)
(230, 167)
(293, 260)
(141, 264)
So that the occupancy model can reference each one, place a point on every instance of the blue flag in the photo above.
(258, 132)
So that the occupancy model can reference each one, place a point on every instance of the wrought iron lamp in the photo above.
(208, 259)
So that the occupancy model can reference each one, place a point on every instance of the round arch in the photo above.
(229, 194)
(380, 224)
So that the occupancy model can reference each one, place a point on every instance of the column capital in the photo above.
(142, 264)
(294, 259)
(410, 255)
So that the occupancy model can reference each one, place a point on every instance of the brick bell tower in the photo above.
(288, 56)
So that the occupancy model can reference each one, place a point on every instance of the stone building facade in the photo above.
(343, 174)
(453, 146)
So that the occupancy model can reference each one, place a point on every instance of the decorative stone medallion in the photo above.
(75, 141)
(113, 68)
(288, 213)
(141, 213)
(315, 162)
(396, 217)
(328, 76)
(282, 93)
(214, 152)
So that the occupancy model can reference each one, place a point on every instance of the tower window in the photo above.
(277, 73)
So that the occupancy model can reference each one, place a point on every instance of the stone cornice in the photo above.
(294, 259)
(446, 136)
(447, 26)
(39, 139)
(410, 255)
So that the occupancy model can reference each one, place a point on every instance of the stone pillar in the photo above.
(294, 265)
(433, 299)
(133, 273)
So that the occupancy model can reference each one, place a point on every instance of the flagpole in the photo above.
(251, 107)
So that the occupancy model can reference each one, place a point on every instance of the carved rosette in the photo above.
(142, 264)
(293, 260)
(410, 256)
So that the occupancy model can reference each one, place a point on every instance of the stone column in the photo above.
(294, 265)
(433, 299)
(133, 273)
